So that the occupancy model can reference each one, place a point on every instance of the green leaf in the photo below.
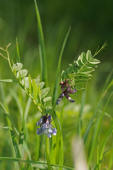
(15, 144)
(44, 92)
(81, 70)
(35, 89)
(41, 45)
(27, 110)
(47, 99)
(55, 91)
(41, 84)
(30, 85)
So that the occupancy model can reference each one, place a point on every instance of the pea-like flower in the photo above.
(17, 67)
(18, 71)
(66, 91)
(25, 82)
(45, 126)
(22, 73)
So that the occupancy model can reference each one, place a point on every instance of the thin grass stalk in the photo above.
(96, 130)
(80, 113)
(2, 92)
(48, 153)
(61, 148)
(110, 163)
(6, 81)
(55, 91)
(12, 133)
(18, 50)
(25, 117)
(99, 104)
(38, 163)
(108, 134)
(42, 50)
(106, 138)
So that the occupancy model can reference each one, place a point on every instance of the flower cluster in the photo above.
(46, 126)
(66, 91)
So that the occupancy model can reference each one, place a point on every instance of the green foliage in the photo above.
(78, 75)
(34, 88)
(81, 70)
(55, 91)
(39, 164)
(98, 122)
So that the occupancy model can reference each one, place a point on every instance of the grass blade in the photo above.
(81, 112)
(99, 105)
(97, 129)
(27, 110)
(11, 133)
(41, 44)
(106, 138)
(18, 50)
(55, 91)
(87, 131)
(14, 95)
(6, 81)
(38, 163)
(2, 93)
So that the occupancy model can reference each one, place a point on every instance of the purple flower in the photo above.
(66, 91)
(46, 126)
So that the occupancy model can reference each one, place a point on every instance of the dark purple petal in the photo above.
(49, 118)
(60, 98)
(69, 98)
(40, 122)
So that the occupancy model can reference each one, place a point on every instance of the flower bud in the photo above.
(17, 67)
(22, 73)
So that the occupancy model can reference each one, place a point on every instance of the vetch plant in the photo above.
(69, 81)
(74, 77)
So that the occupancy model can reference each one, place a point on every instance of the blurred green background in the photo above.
(91, 22)
(91, 26)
